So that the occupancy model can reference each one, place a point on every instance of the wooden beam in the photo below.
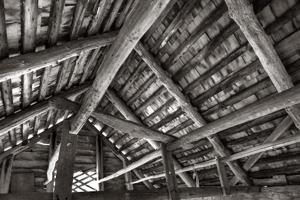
(187, 107)
(241, 11)
(55, 18)
(29, 62)
(143, 16)
(170, 174)
(65, 165)
(134, 165)
(132, 128)
(248, 152)
(185, 193)
(222, 176)
(5, 174)
(52, 146)
(99, 161)
(129, 115)
(284, 125)
(253, 111)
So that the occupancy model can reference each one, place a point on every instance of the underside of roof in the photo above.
(192, 68)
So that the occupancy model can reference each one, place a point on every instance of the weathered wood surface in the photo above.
(187, 107)
(16, 66)
(222, 176)
(170, 174)
(241, 11)
(132, 128)
(65, 164)
(143, 16)
(5, 174)
(249, 152)
(185, 193)
(253, 111)
(99, 161)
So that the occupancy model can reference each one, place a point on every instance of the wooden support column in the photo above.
(222, 176)
(170, 173)
(129, 115)
(65, 165)
(52, 147)
(5, 174)
(99, 161)
(143, 16)
(128, 178)
(187, 107)
(241, 11)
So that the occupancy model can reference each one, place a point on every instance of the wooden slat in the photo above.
(170, 174)
(98, 18)
(241, 11)
(65, 165)
(112, 15)
(78, 18)
(253, 111)
(142, 18)
(55, 18)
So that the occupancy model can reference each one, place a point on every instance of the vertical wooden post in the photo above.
(65, 165)
(99, 161)
(5, 174)
(52, 145)
(170, 173)
(222, 176)
(128, 177)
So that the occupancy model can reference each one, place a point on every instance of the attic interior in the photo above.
(149, 99)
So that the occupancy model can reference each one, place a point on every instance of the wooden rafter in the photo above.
(242, 12)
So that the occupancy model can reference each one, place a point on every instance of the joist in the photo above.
(5, 174)
(128, 178)
(241, 11)
(260, 108)
(140, 20)
(222, 176)
(129, 115)
(29, 62)
(99, 161)
(187, 107)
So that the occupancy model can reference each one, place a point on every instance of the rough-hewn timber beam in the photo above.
(129, 115)
(140, 20)
(241, 11)
(187, 107)
(185, 193)
(253, 111)
(29, 62)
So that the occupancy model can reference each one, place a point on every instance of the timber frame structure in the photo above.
(149, 99)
